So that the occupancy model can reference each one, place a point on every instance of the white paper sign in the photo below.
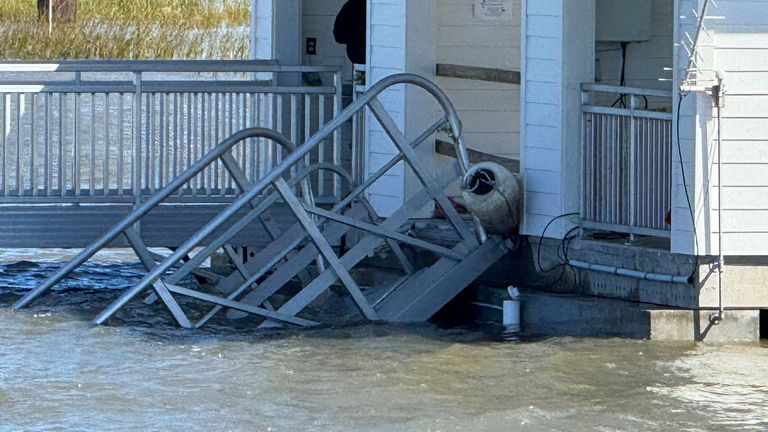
(493, 10)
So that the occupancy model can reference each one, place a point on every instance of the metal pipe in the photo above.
(717, 95)
(634, 274)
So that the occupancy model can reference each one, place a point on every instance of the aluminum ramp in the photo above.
(304, 252)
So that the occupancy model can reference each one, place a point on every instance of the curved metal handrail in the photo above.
(155, 200)
(292, 159)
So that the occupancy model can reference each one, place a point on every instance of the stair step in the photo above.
(426, 292)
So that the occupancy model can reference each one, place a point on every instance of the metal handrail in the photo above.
(73, 105)
(291, 160)
(155, 200)
(637, 91)
(159, 66)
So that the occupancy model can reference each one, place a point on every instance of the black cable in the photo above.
(685, 187)
(623, 77)
(538, 251)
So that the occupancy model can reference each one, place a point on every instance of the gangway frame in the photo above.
(414, 297)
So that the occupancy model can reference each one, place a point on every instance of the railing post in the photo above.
(137, 142)
(633, 174)
(583, 151)
(337, 107)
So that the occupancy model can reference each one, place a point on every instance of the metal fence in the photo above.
(114, 131)
(626, 160)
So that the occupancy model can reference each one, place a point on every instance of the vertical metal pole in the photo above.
(161, 172)
(92, 158)
(137, 143)
(107, 147)
(720, 250)
(151, 171)
(19, 103)
(632, 168)
(32, 167)
(62, 140)
(202, 139)
(194, 142)
(76, 138)
(321, 148)
(47, 145)
(337, 107)
(120, 144)
(585, 123)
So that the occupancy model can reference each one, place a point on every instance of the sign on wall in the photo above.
(493, 10)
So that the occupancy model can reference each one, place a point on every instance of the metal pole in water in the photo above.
(511, 310)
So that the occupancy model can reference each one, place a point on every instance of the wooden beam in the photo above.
(478, 73)
(446, 148)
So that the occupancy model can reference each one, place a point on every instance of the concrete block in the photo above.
(686, 325)
(557, 315)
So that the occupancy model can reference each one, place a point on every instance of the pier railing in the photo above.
(626, 160)
(114, 131)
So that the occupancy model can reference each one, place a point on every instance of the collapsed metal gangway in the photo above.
(305, 251)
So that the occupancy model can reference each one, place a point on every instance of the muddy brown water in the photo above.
(59, 372)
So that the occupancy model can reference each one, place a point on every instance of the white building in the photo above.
(571, 119)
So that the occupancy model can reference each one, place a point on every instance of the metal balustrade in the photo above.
(418, 292)
(114, 131)
(626, 160)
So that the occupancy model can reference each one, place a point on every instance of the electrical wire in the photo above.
(624, 48)
(538, 250)
(681, 97)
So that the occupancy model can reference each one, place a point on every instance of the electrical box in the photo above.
(623, 20)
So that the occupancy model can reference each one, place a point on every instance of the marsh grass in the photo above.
(128, 29)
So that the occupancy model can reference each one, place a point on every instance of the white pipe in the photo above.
(634, 274)
(718, 94)
(511, 311)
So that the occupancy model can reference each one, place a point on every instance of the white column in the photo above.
(558, 55)
(402, 37)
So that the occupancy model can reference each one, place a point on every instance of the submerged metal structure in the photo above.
(301, 246)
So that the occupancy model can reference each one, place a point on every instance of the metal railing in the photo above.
(272, 187)
(626, 160)
(114, 131)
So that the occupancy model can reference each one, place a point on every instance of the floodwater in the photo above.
(58, 372)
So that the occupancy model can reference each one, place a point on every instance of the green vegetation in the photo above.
(128, 29)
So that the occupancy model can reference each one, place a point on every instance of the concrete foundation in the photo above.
(556, 315)
(574, 302)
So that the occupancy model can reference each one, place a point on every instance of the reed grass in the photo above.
(128, 29)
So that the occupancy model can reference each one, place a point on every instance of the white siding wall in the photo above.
(490, 112)
(386, 56)
(261, 29)
(740, 48)
(558, 55)
(541, 113)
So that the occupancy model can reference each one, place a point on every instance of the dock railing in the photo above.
(626, 160)
(117, 131)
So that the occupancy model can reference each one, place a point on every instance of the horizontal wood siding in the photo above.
(738, 45)
(490, 112)
(386, 56)
(741, 50)
(542, 120)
